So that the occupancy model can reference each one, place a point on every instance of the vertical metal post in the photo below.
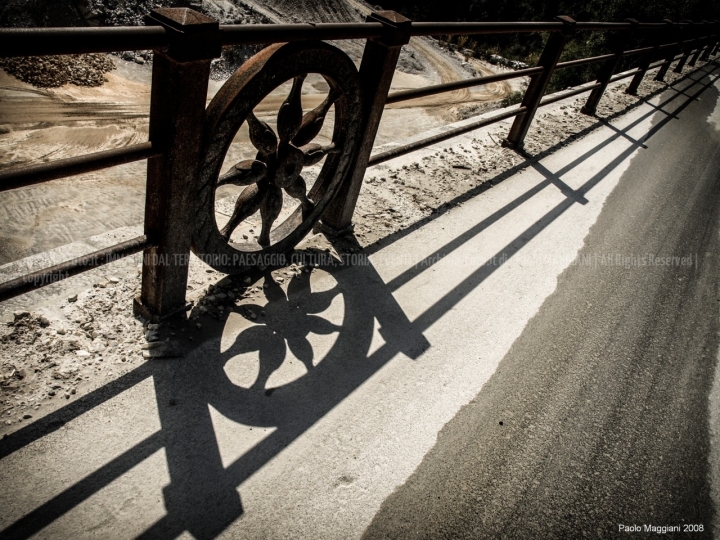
(671, 51)
(609, 67)
(715, 47)
(376, 73)
(538, 84)
(643, 67)
(687, 48)
(702, 43)
(177, 114)
(712, 41)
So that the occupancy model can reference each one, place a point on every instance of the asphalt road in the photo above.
(598, 416)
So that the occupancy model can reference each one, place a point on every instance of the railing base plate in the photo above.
(150, 316)
(332, 232)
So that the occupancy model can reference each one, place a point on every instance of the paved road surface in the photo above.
(598, 415)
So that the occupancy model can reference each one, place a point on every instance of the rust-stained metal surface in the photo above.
(444, 136)
(405, 95)
(177, 112)
(17, 177)
(377, 68)
(276, 171)
(611, 64)
(538, 84)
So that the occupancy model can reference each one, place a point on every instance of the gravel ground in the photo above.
(65, 351)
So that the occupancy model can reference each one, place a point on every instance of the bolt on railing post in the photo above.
(644, 66)
(376, 73)
(177, 115)
(609, 67)
(687, 48)
(671, 52)
(538, 84)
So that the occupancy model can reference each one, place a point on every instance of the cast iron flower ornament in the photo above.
(279, 162)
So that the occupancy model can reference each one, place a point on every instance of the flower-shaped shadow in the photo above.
(287, 321)
(279, 162)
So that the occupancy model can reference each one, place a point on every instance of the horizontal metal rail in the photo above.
(633, 52)
(54, 41)
(408, 148)
(595, 26)
(17, 177)
(73, 40)
(236, 34)
(406, 95)
(583, 61)
(547, 100)
(659, 63)
(554, 98)
(458, 85)
(59, 272)
(624, 75)
(464, 28)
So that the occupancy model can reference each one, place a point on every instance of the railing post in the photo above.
(376, 73)
(538, 84)
(717, 40)
(644, 66)
(687, 48)
(712, 41)
(672, 51)
(177, 114)
(703, 43)
(608, 68)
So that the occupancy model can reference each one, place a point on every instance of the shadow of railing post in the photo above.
(377, 69)
(534, 93)
(177, 117)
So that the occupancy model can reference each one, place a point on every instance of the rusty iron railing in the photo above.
(187, 141)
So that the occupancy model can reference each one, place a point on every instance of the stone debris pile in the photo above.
(55, 71)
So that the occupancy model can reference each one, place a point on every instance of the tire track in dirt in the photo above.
(449, 73)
